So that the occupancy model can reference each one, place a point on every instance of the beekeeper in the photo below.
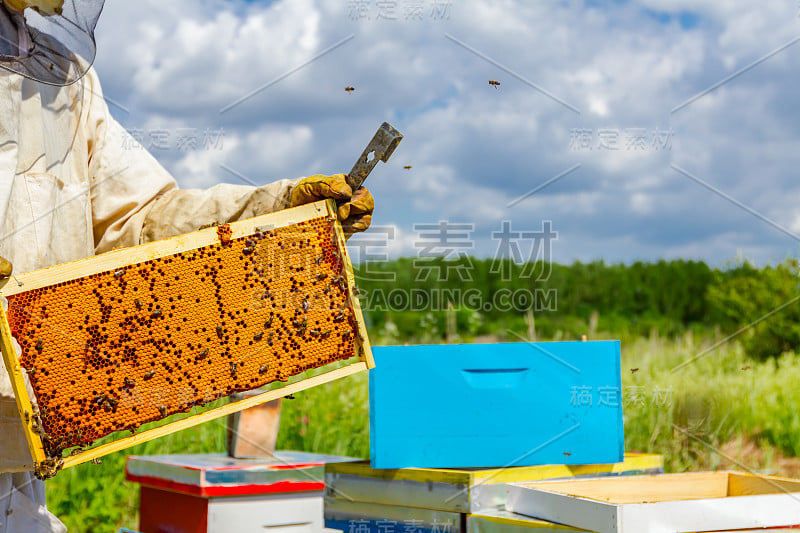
(71, 187)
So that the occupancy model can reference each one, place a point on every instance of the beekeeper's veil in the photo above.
(51, 41)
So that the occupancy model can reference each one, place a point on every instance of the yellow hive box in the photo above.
(133, 336)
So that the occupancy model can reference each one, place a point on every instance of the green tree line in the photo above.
(413, 299)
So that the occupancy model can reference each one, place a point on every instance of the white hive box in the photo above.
(661, 504)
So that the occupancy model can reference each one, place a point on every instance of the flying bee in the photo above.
(634, 370)
(258, 336)
(219, 331)
(39, 345)
(137, 303)
(150, 373)
(130, 382)
(162, 409)
(263, 369)
(119, 273)
(567, 454)
(349, 89)
(407, 167)
(494, 83)
(156, 314)
(746, 367)
(202, 355)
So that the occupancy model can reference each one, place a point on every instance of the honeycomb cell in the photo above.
(112, 351)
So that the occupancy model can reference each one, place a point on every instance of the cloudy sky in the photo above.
(642, 130)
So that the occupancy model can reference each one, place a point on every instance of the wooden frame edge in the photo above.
(24, 404)
(194, 420)
(352, 297)
(127, 256)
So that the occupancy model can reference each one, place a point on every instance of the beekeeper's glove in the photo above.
(355, 214)
(6, 269)
(44, 7)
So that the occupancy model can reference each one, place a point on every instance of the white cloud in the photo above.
(473, 148)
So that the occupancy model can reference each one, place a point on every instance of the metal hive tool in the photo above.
(118, 340)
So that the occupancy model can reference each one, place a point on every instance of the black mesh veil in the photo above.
(51, 41)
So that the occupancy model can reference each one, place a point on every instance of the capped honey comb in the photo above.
(113, 350)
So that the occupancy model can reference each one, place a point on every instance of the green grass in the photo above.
(328, 419)
(715, 399)
(719, 396)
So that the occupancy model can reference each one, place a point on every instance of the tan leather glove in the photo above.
(44, 7)
(355, 214)
(6, 268)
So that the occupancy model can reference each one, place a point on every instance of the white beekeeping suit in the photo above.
(73, 183)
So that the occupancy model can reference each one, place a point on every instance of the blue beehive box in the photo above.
(495, 405)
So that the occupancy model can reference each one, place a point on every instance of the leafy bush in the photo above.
(764, 303)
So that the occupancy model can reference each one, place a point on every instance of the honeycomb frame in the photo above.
(336, 322)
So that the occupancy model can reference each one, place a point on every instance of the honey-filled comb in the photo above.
(136, 335)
